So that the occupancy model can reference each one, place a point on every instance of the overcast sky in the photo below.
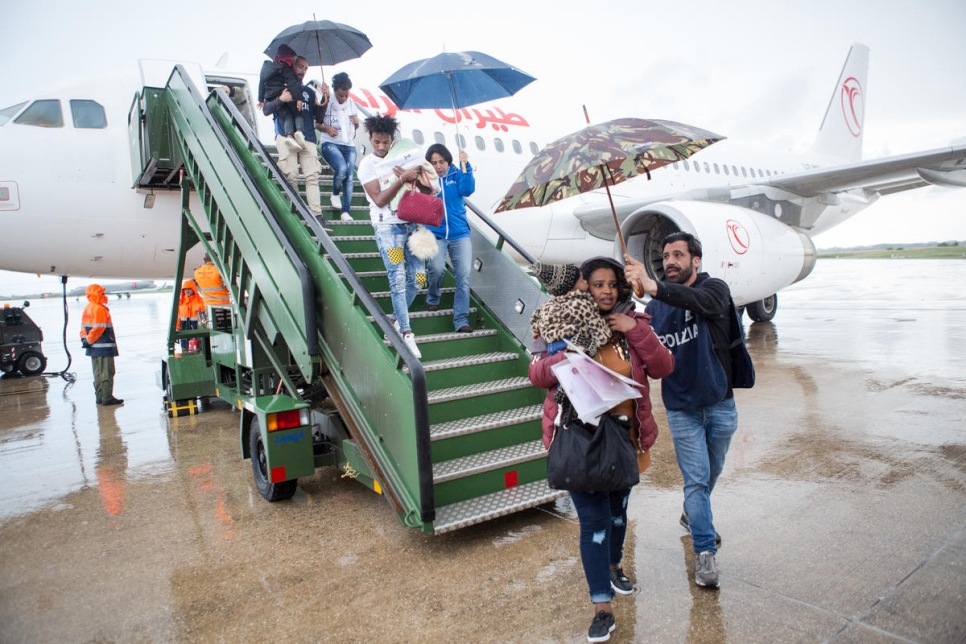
(759, 71)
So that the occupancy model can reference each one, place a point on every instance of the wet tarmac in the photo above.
(842, 506)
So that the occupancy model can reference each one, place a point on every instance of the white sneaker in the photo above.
(336, 202)
(346, 217)
(293, 145)
(410, 339)
(300, 139)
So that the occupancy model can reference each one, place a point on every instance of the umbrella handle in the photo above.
(636, 286)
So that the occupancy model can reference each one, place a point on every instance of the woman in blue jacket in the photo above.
(453, 235)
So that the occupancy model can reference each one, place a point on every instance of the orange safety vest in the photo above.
(213, 290)
(189, 306)
(96, 325)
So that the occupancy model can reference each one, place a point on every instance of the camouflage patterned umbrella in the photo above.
(618, 150)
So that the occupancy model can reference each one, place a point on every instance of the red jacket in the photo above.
(649, 358)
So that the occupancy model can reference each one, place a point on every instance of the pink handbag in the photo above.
(420, 208)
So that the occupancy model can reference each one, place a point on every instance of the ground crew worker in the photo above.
(191, 309)
(213, 290)
(97, 336)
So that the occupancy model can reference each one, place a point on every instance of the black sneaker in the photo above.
(112, 401)
(601, 628)
(620, 582)
(687, 526)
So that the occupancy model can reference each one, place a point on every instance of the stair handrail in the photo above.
(305, 279)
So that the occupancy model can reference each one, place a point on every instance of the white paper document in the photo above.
(592, 387)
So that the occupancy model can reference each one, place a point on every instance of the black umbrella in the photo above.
(322, 42)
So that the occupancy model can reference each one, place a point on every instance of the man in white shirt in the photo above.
(406, 273)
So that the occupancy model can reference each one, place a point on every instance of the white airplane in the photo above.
(70, 169)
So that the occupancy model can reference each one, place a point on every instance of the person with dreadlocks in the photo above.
(406, 272)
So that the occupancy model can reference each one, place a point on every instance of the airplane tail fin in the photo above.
(840, 136)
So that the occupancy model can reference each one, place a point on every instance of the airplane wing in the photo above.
(942, 167)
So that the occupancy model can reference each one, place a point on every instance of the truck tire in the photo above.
(270, 491)
(32, 363)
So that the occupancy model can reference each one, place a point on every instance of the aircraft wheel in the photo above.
(32, 363)
(269, 491)
(763, 310)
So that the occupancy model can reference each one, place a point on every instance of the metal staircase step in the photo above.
(478, 389)
(462, 467)
(446, 337)
(493, 505)
(465, 361)
(386, 294)
(504, 418)
(419, 315)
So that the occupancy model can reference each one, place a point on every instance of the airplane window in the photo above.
(697, 167)
(418, 137)
(768, 172)
(533, 148)
(439, 138)
(744, 173)
(498, 145)
(480, 143)
(687, 166)
(44, 113)
(707, 168)
(517, 147)
(88, 115)
(761, 174)
(726, 169)
(8, 113)
(734, 169)
(716, 170)
(675, 165)
(462, 141)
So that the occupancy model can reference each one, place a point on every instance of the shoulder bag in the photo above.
(420, 208)
(584, 459)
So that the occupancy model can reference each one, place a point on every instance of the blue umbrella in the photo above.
(454, 80)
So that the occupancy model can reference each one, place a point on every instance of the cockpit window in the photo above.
(7, 113)
(88, 114)
(44, 113)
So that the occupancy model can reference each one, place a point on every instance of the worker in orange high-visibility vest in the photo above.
(213, 290)
(191, 309)
(97, 337)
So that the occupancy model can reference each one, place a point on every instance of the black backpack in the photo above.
(742, 369)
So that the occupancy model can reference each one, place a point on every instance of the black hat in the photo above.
(558, 278)
(616, 265)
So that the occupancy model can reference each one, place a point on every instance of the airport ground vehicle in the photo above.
(20, 340)
(306, 352)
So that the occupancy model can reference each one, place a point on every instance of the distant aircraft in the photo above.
(77, 214)
(119, 289)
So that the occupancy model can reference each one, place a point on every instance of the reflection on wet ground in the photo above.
(842, 506)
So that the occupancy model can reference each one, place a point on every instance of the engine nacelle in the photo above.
(756, 254)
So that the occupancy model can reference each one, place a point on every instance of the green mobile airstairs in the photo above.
(307, 353)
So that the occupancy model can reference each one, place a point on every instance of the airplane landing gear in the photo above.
(763, 310)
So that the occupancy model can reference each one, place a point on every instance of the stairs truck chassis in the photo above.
(306, 353)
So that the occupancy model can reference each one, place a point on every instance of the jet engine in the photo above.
(756, 254)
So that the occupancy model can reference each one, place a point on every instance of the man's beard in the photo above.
(684, 274)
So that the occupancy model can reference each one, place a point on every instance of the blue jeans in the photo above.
(342, 160)
(461, 255)
(406, 272)
(701, 440)
(603, 526)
